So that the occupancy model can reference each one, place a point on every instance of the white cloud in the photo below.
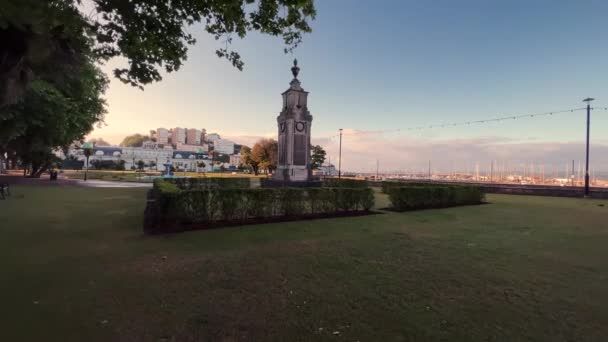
(361, 151)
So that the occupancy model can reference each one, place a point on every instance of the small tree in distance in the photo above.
(201, 165)
(248, 160)
(135, 140)
(317, 157)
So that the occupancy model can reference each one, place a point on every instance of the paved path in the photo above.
(93, 183)
(16, 180)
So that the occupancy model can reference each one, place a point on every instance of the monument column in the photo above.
(294, 126)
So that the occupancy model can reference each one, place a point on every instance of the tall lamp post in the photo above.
(340, 157)
(86, 148)
(588, 100)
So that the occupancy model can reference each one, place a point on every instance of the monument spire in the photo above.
(294, 124)
(295, 70)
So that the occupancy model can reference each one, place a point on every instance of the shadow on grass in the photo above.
(391, 209)
(178, 227)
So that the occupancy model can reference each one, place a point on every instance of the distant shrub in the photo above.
(165, 186)
(169, 205)
(108, 164)
(433, 196)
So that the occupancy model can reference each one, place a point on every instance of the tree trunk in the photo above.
(37, 169)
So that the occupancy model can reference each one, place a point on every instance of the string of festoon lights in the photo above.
(464, 123)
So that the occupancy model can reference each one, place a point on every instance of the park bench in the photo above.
(4, 190)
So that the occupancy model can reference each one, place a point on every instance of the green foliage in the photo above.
(233, 204)
(291, 201)
(264, 154)
(366, 198)
(322, 200)
(249, 161)
(345, 183)
(386, 185)
(165, 186)
(41, 40)
(135, 140)
(108, 164)
(260, 202)
(52, 115)
(230, 203)
(433, 196)
(317, 157)
(151, 36)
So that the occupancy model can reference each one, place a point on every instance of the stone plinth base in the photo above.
(292, 173)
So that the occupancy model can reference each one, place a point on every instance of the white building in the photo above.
(178, 135)
(192, 148)
(155, 157)
(193, 136)
(162, 135)
(151, 144)
(224, 146)
(236, 160)
(191, 161)
(326, 170)
(131, 155)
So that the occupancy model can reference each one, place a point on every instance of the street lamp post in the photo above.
(340, 157)
(86, 148)
(588, 100)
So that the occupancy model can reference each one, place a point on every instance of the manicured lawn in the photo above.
(75, 267)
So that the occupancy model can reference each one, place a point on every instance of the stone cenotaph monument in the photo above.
(294, 123)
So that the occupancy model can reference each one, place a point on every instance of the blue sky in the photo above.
(373, 65)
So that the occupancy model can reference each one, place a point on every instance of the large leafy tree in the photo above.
(265, 152)
(151, 35)
(40, 39)
(52, 115)
(248, 160)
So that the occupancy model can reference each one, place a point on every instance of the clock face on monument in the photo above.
(300, 126)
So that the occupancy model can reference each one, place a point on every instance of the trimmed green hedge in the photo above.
(433, 196)
(345, 183)
(386, 185)
(168, 206)
(205, 183)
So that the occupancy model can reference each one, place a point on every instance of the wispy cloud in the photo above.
(360, 151)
